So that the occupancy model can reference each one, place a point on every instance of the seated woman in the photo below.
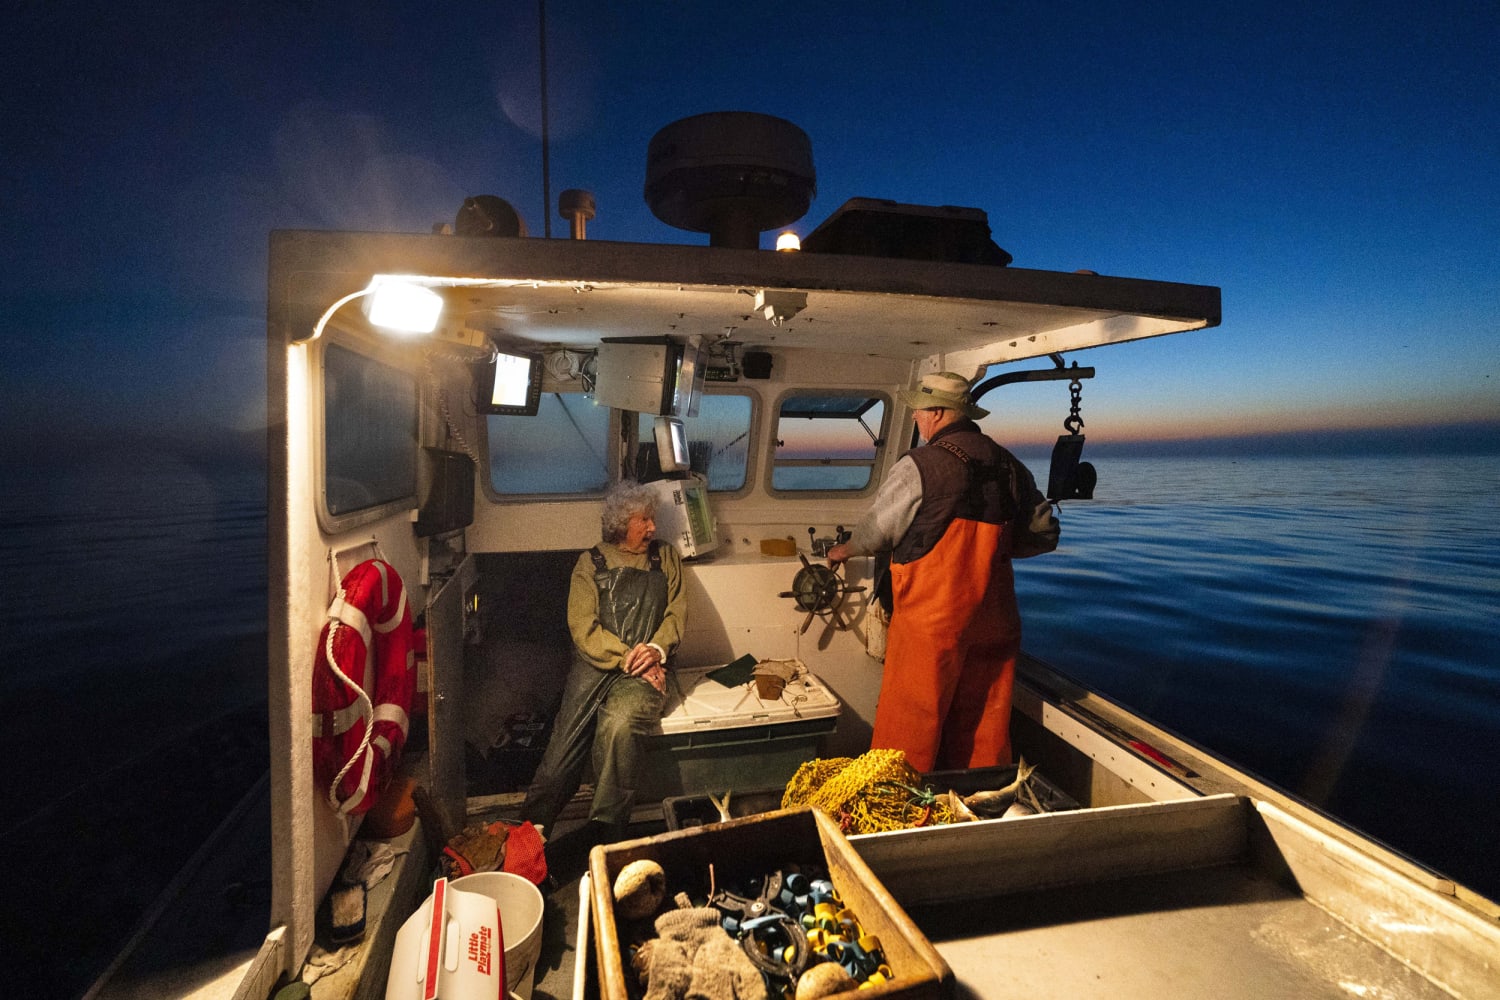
(626, 610)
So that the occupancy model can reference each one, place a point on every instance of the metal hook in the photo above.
(1073, 423)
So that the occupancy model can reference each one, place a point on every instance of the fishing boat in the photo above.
(759, 389)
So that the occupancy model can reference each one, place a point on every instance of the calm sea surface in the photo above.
(124, 561)
(1331, 624)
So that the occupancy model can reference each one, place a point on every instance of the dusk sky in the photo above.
(1334, 168)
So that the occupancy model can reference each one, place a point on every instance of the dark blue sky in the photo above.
(1331, 166)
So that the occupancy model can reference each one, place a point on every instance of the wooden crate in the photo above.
(753, 845)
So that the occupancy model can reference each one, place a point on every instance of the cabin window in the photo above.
(370, 432)
(718, 441)
(563, 449)
(827, 442)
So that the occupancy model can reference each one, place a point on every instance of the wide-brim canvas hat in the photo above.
(946, 390)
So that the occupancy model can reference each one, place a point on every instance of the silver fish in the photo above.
(955, 804)
(722, 806)
(994, 802)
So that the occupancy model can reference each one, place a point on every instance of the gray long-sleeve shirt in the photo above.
(891, 513)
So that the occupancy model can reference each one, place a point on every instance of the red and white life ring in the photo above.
(364, 676)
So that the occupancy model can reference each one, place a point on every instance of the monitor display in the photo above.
(700, 517)
(511, 384)
(671, 445)
(639, 375)
(684, 516)
(692, 368)
(653, 375)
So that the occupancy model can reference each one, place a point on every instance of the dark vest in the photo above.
(964, 475)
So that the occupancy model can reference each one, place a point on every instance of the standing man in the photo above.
(626, 609)
(952, 514)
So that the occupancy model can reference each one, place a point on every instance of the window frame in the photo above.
(377, 353)
(612, 444)
(882, 443)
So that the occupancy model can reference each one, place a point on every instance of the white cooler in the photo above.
(713, 738)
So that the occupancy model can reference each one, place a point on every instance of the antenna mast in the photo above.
(541, 23)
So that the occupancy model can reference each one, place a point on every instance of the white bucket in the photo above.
(446, 948)
(520, 905)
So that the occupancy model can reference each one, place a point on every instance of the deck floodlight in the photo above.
(400, 305)
(391, 302)
(788, 241)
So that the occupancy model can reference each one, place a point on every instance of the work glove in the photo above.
(1040, 534)
(694, 958)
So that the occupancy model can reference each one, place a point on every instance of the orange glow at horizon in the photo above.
(1036, 431)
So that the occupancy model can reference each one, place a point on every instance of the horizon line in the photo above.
(1462, 437)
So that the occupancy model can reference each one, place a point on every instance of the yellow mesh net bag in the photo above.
(876, 791)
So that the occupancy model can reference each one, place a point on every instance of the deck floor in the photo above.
(1226, 932)
(209, 924)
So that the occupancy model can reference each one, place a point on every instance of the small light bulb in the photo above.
(788, 241)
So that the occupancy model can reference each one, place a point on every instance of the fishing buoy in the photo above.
(822, 980)
(640, 888)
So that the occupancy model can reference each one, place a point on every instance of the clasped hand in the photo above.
(645, 662)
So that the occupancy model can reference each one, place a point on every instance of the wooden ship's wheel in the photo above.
(820, 591)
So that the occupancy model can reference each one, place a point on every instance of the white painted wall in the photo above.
(309, 838)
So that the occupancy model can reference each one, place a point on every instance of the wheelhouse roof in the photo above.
(573, 293)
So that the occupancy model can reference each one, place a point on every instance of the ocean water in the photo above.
(126, 559)
(1331, 624)
(133, 608)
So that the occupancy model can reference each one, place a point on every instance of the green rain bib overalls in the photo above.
(605, 715)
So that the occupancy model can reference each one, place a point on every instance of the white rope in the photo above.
(366, 711)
